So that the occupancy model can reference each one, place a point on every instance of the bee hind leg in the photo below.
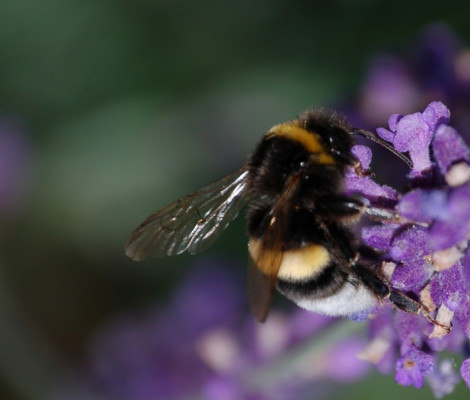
(405, 303)
(382, 290)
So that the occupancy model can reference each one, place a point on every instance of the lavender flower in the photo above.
(425, 251)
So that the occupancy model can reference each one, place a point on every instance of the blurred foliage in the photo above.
(128, 104)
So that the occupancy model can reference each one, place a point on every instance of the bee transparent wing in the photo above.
(193, 222)
(264, 269)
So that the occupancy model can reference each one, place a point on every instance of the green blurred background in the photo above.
(121, 107)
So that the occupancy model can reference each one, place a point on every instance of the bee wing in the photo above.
(193, 222)
(261, 285)
(263, 271)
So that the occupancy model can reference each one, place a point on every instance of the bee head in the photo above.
(334, 133)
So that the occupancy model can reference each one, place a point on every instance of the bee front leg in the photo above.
(353, 207)
(343, 208)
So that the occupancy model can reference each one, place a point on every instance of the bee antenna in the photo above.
(377, 139)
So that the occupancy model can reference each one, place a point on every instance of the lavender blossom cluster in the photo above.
(425, 251)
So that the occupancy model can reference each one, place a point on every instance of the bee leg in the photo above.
(382, 214)
(405, 303)
(386, 214)
(344, 207)
(400, 300)
(353, 206)
(371, 280)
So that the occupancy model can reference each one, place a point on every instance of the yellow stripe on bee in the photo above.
(309, 140)
(299, 264)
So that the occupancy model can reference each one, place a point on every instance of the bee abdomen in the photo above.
(335, 292)
(297, 264)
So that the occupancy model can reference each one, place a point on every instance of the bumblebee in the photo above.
(298, 220)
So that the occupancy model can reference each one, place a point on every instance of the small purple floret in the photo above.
(465, 371)
(379, 237)
(410, 244)
(413, 134)
(423, 205)
(413, 367)
(449, 148)
(412, 276)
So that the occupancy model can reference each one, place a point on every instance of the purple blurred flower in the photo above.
(205, 344)
(154, 355)
(343, 362)
(436, 67)
(443, 379)
(389, 87)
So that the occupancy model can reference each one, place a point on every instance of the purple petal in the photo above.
(363, 155)
(462, 315)
(452, 286)
(368, 188)
(449, 148)
(385, 134)
(413, 134)
(412, 276)
(423, 205)
(393, 121)
(407, 374)
(465, 371)
(435, 114)
(444, 235)
(412, 368)
(379, 237)
(454, 225)
(410, 244)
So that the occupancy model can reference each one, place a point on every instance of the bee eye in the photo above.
(335, 152)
